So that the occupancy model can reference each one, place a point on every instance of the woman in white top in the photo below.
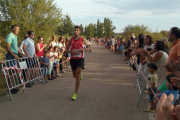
(61, 45)
(53, 43)
(148, 42)
(160, 58)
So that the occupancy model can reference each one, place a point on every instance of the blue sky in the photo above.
(156, 14)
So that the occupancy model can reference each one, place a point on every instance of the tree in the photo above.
(136, 29)
(82, 30)
(41, 16)
(101, 30)
(68, 26)
(108, 27)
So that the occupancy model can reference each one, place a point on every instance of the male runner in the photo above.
(77, 57)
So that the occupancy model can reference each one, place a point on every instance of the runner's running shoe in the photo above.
(74, 97)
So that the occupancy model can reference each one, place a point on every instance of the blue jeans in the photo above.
(13, 61)
(151, 97)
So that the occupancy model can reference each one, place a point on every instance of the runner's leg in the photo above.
(78, 72)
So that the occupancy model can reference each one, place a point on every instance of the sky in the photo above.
(156, 14)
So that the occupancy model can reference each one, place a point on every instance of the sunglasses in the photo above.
(32, 34)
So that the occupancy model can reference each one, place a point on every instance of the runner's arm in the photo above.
(87, 45)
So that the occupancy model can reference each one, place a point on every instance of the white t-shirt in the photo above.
(147, 46)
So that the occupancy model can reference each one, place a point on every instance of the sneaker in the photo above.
(12, 91)
(63, 71)
(146, 92)
(28, 85)
(16, 89)
(81, 77)
(74, 97)
(50, 79)
(32, 83)
(58, 75)
(149, 110)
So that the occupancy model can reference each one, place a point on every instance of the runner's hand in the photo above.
(47, 64)
(82, 50)
(75, 52)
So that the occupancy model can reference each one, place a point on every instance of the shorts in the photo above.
(117, 47)
(151, 97)
(77, 63)
(68, 54)
(12, 62)
(44, 71)
(121, 48)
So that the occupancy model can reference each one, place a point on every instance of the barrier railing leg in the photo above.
(135, 84)
(8, 86)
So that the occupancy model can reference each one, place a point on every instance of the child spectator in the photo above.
(60, 57)
(44, 64)
(152, 83)
(51, 61)
(56, 66)
(171, 88)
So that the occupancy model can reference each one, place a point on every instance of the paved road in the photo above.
(106, 93)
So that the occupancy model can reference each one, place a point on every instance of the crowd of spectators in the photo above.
(160, 64)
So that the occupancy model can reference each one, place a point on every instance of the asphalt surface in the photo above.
(106, 93)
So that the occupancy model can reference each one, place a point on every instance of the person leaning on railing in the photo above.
(12, 52)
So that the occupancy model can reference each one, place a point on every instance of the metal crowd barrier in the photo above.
(141, 83)
(20, 72)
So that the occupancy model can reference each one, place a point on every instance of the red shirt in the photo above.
(39, 54)
(77, 45)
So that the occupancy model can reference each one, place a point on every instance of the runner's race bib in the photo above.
(78, 54)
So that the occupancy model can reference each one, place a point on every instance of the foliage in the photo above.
(41, 16)
(108, 28)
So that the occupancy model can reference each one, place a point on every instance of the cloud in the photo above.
(153, 13)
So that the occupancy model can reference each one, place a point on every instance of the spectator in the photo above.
(171, 88)
(133, 36)
(174, 37)
(112, 44)
(39, 48)
(44, 64)
(56, 63)
(53, 42)
(122, 44)
(51, 61)
(160, 58)
(67, 54)
(29, 50)
(22, 43)
(61, 45)
(148, 43)
(152, 84)
(128, 48)
(165, 109)
(12, 51)
(166, 45)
